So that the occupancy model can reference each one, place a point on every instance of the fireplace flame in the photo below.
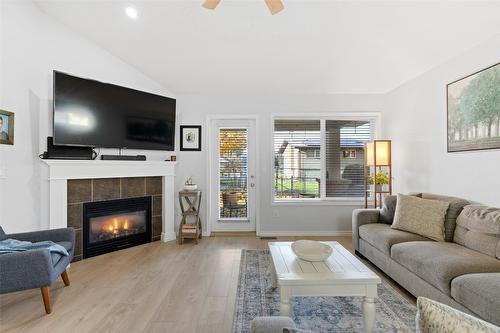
(117, 226)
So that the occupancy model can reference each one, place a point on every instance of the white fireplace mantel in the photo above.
(59, 171)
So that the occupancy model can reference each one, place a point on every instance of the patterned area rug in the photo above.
(255, 297)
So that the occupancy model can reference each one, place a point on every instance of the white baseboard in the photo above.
(168, 236)
(304, 233)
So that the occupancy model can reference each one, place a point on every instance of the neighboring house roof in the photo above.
(344, 143)
(351, 143)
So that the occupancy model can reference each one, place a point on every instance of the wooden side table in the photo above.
(190, 226)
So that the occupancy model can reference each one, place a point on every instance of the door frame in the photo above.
(257, 181)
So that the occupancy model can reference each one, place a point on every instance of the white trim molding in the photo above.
(60, 171)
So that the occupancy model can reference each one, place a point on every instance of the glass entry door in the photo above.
(233, 180)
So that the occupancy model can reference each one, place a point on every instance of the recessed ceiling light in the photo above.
(131, 12)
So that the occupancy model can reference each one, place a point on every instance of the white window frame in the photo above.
(372, 116)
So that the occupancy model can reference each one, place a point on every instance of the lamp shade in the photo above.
(378, 152)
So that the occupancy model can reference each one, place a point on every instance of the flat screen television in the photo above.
(96, 114)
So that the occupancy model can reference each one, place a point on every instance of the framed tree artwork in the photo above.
(190, 138)
(473, 104)
(6, 127)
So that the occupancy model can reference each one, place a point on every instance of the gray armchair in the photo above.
(36, 268)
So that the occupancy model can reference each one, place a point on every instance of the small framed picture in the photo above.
(190, 138)
(6, 127)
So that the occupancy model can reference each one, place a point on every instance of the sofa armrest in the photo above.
(25, 270)
(55, 235)
(360, 217)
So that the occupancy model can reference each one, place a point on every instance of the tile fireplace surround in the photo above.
(71, 183)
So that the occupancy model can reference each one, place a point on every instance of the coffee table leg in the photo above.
(369, 313)
(272, 271)
(285, 305)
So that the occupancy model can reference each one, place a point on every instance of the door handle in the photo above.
(252, 184)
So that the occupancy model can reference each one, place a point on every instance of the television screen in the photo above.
(97, 114)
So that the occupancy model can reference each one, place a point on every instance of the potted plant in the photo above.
(381, 181)
(189, 186)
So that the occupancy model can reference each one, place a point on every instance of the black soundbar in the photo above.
(123, 157)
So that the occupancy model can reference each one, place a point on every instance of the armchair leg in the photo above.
(65, 278)
(46, 299)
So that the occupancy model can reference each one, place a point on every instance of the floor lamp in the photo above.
(378, 168)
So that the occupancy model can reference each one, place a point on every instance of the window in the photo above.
(318, 159)
(297, 162)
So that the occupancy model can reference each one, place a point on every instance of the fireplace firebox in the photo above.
(115, 224)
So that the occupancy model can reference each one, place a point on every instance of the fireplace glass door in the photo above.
(115, 224)
(104, 228)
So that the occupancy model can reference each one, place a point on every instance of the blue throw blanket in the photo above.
(14, 245)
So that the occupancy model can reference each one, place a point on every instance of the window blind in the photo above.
(233, 172)
(297, 161)
(344, 143)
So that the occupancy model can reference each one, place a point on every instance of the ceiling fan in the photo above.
(275, 6)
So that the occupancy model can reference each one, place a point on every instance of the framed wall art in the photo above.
(6, 127)
(190, 138)
(473, 109)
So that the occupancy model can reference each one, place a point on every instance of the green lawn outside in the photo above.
(308, 187)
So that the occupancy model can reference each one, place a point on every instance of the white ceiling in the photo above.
(310, 47)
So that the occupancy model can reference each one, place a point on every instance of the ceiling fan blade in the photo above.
(211, 4)
(275, 6)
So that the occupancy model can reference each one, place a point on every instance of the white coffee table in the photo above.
(342, 274)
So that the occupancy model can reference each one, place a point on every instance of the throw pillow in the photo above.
(388, 209)
(420, 216)
(436, 317)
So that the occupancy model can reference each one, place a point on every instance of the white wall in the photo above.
(415, 119)
(283, 220)
(31, 46)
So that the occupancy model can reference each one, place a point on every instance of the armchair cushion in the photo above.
(57, 256)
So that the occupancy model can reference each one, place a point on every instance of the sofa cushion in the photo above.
(478, 228)
(440, 262)
(456, 206)
(388, 209)
(383, 237)
(420, 216)
(480, 293)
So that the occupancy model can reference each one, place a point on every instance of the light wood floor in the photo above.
(158, 287)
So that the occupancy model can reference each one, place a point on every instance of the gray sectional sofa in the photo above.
(463, 271)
